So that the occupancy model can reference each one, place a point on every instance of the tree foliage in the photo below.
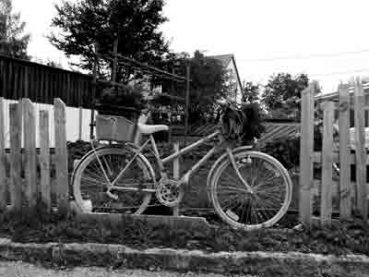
(250, 92)
(134, 23)
(208, 81)
(13, 41)
(281, 93)
(281, 87)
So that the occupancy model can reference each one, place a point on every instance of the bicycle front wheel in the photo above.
(90, 182)
(270, 183)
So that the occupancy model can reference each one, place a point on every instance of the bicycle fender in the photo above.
(221, 159)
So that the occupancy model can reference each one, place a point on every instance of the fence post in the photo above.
(327, 159)
(3, 174)
(29, 120)
(344, 151)
(360, 149)
(45, 159)
(15, 126)
(176, 173)
(306, 154)
(61, 157)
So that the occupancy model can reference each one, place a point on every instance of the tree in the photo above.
(250, 92)
(282, 92)
(208, 81)
(133, 23)
(12, 40)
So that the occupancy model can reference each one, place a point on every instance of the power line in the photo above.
(302, 57)
(364, 70)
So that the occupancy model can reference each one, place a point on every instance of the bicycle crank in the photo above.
(111, 195)
(169, 193)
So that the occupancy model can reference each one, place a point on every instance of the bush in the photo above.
(124, 101)
(286, 150)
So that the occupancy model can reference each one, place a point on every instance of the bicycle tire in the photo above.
(90, 160)
(230, 216)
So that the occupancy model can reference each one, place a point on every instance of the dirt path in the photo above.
(20, 269)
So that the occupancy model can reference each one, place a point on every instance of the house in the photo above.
(234, 80)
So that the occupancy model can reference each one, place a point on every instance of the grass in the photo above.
(36, 226)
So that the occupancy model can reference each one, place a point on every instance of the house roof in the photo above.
(225, 59)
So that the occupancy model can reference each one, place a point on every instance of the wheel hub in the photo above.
(168, 193)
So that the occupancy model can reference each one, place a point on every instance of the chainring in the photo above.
(168, 194)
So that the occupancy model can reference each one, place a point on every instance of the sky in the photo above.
(326, 39)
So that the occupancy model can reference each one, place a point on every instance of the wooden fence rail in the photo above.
(30, 173)
(350, 195)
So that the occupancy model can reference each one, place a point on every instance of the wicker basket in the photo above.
(115, 128)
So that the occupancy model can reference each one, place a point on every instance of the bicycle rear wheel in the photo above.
(90, 183)
(271, 185)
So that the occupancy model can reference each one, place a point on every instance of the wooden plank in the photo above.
(306, 155)
(15, 156)
(52, 156)
(80, 120)
(3, 180)
(29, 120)
(317, 158)
(61, 158)
(176, 173)
(326, 195)
(26, 83)
(344, 159)
(360, 149)
(47, 83)
(44, 159)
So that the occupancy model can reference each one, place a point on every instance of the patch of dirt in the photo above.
(349, 237)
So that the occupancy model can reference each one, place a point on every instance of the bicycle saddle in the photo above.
(150, 129)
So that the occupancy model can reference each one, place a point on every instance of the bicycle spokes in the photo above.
(114, 191)
(268, 182)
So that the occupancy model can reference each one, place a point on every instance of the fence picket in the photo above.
(30, 168)
(3, 179)
(80, 120)
(15, 122)
(327, 152)
(61, 158)
(344, 159)
(306, 155)
(360, 149)
(44, 159)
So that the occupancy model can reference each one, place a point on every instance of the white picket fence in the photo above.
(77, 122)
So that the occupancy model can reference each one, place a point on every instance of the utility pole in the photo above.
(115, 61)
(93, 96)
(187, 99)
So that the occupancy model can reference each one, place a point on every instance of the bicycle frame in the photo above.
(183, 151)
(185, 178)
(162, 162)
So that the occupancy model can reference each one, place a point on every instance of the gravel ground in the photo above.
(20, 269)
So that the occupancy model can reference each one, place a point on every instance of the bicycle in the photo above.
(242, 196)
